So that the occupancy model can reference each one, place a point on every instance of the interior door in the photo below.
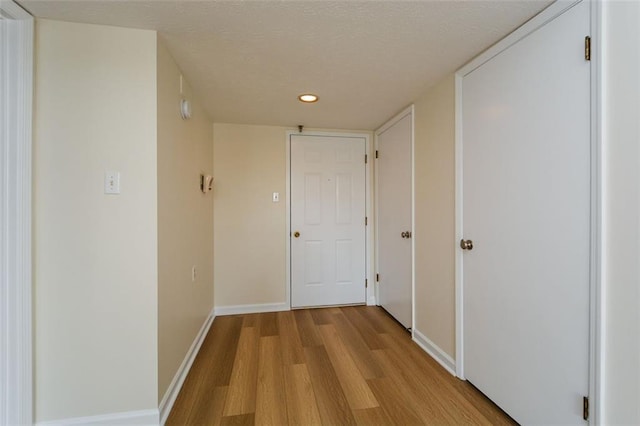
(328, 193)
(526, 210)
(393, 171)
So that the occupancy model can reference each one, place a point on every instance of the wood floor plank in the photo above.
(379, 319)
(434, 376)
(302, 408)
(488, 408)
(269, 324)
(357, 347)
(251, 320)
(332, 404)
(292, 352)
(404, 383)
(211, 368)
(238, 420)
(321, 316)
(208, 409)
(366, 330)
(392, 403)
(221, 351)
(241, 395)
(307, 330)
(270, 394)
(403, 358)
(353, 383)
(305, 368)
(372, 417)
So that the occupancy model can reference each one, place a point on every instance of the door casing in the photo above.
(595, 288)
(370, 294)
(16, 334)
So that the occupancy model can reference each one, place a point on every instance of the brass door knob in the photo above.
(466, 244)
(296, 234)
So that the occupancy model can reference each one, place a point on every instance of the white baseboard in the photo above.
(172, 392)
(435, 352)
(251, 309)
(142, 417)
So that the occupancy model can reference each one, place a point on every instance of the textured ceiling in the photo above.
(366, 60)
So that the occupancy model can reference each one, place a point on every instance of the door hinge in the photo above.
(587, 48)
(366, 283)
(377, 277)
(585, 407)
(376, 153)
(366, 221)
(365, 159)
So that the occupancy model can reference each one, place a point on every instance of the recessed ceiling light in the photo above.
(308, 98)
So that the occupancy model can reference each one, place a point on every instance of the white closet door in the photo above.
(526, 207)
(393, 169)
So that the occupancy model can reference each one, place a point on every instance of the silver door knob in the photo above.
(466, 244)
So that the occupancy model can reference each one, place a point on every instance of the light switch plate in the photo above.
(111, 182)
(276, 197)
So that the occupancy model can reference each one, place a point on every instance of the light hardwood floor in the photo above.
(334, 366)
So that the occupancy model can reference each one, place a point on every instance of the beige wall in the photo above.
(250, 229)
(95, 255)
(434, 152)
(185, 224)
(621, 216)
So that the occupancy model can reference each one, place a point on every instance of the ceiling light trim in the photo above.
(308, 98)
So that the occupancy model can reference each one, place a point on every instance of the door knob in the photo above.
(403, 234)
(296, 234)
(466, 244)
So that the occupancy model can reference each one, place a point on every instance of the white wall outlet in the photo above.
(193, 273)
(111, 182)
(276, 197)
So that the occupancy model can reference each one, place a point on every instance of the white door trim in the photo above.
(409, 110)
(595, 325)
(16, 85)
(370, 294)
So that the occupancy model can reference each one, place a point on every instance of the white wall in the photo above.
(249, 229)
(435, 215)
(621, 216)
(95, 255)
(185, 221)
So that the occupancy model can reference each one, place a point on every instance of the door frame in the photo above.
(595, 287)
(370, 298)
(395, 119)
(16, 347)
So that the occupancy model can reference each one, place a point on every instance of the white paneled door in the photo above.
(328, 195)
(394, 227)
(526, 211)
